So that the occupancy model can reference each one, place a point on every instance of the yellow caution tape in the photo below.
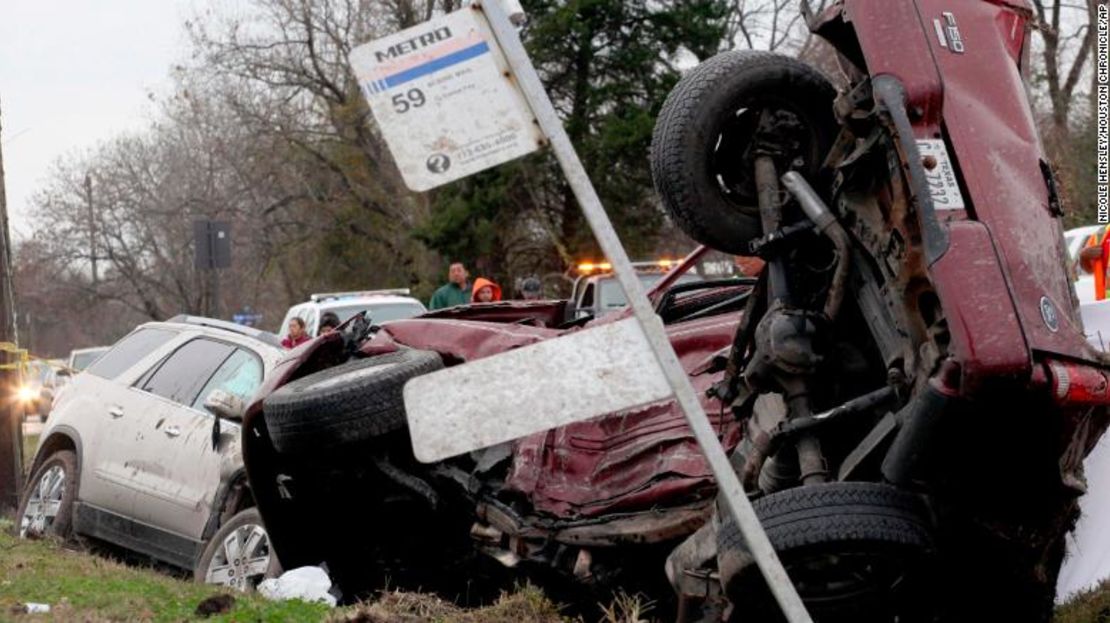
(21, 356)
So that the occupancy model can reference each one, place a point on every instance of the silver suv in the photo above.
(143, 450)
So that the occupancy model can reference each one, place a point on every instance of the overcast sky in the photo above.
(75, 73)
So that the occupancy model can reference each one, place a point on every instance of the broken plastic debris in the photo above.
(305, 583)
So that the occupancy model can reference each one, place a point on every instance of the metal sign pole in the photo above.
(729, 484)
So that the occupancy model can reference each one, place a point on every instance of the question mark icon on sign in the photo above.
(438, 163)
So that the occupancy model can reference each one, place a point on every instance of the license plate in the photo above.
(941, 179)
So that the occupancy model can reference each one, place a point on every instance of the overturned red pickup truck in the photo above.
(905, 391)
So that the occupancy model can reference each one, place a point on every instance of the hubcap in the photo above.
(44, 503)
(241, 560)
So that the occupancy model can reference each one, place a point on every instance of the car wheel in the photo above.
(703, 147)
(347, 404)
(46, 508)
(239, 555)
(857, 552)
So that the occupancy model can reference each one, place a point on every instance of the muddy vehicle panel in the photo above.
(906, 391)
(937, 194)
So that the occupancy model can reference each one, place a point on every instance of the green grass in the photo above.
(85, 587)
(1090, 607)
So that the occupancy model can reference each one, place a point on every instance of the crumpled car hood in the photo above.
(623, 462)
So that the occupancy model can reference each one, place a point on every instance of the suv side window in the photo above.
(128, 351)
(181, 376)
(240, 375)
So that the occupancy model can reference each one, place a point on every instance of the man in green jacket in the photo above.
(457, 290)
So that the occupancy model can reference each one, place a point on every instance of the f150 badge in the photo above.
(948, 33)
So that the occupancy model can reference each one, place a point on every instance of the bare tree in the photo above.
(775, 25)
(287, 60)
(1067, 42)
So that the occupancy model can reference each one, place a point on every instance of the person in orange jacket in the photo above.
(485, 291)
(1093, 258)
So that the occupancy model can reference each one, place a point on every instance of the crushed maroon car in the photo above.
(334, 471)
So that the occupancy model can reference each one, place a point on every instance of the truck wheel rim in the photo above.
(847, 577)
(44, 504)
(242, 559)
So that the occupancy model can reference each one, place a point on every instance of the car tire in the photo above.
(224, 562)
(855, 551)
(56, 481)
(701, 161)
(348, 404)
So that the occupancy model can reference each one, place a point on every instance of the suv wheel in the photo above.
(239, 555)
(47, 505)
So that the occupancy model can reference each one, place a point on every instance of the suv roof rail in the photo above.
(320, 296)
(223, 325)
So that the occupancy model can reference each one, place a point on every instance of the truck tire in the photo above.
(701, 161)
(344, 405)
(856, 551)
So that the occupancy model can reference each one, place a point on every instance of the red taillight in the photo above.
(1078, 384)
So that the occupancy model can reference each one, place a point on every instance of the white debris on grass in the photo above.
(305, 583)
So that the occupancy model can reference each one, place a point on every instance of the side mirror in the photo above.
(225, 405)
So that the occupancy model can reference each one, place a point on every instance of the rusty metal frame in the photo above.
(729, 484)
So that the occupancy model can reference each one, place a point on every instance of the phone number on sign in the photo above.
(484, 147)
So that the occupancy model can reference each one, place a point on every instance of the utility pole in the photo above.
(92, 227)
(11, 433)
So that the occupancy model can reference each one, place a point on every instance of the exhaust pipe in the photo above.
(919, 421)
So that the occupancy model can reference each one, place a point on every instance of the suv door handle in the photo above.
(116, 412)
(171, 431)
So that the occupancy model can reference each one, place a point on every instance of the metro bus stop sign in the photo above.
(457, 95)
(443, 97)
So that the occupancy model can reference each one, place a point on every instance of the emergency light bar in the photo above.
(589, 267)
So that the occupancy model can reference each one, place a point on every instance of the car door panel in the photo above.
(105, 475)
(161, 499)
(183, 468)
(101, 395)
(170, 465)
(198, 467)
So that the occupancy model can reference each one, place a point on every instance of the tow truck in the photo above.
(596, 291)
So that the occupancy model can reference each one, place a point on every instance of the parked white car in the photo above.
(380, 305)
(143, 450)
(81, 358)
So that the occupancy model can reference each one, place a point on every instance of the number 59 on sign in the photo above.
(443, 98)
